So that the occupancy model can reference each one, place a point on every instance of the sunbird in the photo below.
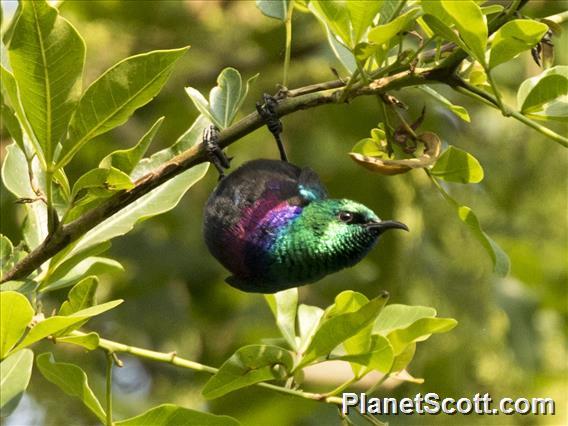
(272, 226)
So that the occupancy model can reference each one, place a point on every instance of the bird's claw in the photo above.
(214, 152)
(268, 113)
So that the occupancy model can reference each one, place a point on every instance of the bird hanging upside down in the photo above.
(271, 224)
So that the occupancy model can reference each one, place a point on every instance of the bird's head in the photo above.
(342, 229)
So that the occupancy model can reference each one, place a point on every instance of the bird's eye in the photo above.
(345, 217)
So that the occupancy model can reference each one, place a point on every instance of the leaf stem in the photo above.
(288, 51)
(172, 358)
(465, 88)
(110, 363)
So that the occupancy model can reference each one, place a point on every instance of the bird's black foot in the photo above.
(215, 154)
(268, 112)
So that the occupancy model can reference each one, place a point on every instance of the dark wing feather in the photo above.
(264, 182)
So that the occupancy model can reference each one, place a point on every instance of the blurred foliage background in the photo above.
(511, 338)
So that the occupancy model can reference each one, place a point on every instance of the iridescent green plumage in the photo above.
(271, 225)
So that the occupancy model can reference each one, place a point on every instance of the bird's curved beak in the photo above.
(384, 225)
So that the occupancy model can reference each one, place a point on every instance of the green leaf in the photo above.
(10, 122)
(459, 111)
(173, 415)
(466, 15)
(10, 97)
(277, 9)
(15, 166)
(491, 9)
(26, 287)
(81, 296)
(93, 265)
(513, 38)
(58, 269)
(89, 341)
(395, 317)
(126, 159)
(339, 328)
(308, 320)
(9, 255)
(361, 16)
(284, 305)
(342, 53)
(382, 34)
(57, 323)
(47, 56)
(247, 366)
(501, 263)
(15, 315)
(348, 20)
(379, 357)
(116, 94)
(456, 165)
(546, 87)
(72, 380)
(401, 360)
(15, 373)
(225, 99)
(420, 330)
(441, 29)
(158, 201)
(111, 179)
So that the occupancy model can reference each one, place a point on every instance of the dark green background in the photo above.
(511, 338)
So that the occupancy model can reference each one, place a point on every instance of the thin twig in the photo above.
(173, 359)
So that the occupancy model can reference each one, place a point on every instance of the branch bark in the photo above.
(70, 232)
(296, 99)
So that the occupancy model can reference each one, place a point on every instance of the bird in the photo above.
(272, 225)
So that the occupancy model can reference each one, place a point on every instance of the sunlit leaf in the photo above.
(277, 9)
(111, 179)
(81, 296)
(308, 320)
(173, 415)
(513, 38)
(93, 265)
(15, 315)
(459, 111)
(383, 33)
(89, 341)
(418, 331)
(126, 159)
(379, 356)
(225, 99)
(347, 20)
(72, 380)
(456, 165)
(396, 316)
(15, 373)
(284, 305)
(115, 95)
(466, 15)
(247, 366)
(401, 360)
(501, 263)
(15, 167)
(46, 55)
(339, 328)
(441, 29)
(548, 86)
(57, 323)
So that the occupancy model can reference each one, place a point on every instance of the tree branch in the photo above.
(296, 99)
(70, 232)
(173, 359)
